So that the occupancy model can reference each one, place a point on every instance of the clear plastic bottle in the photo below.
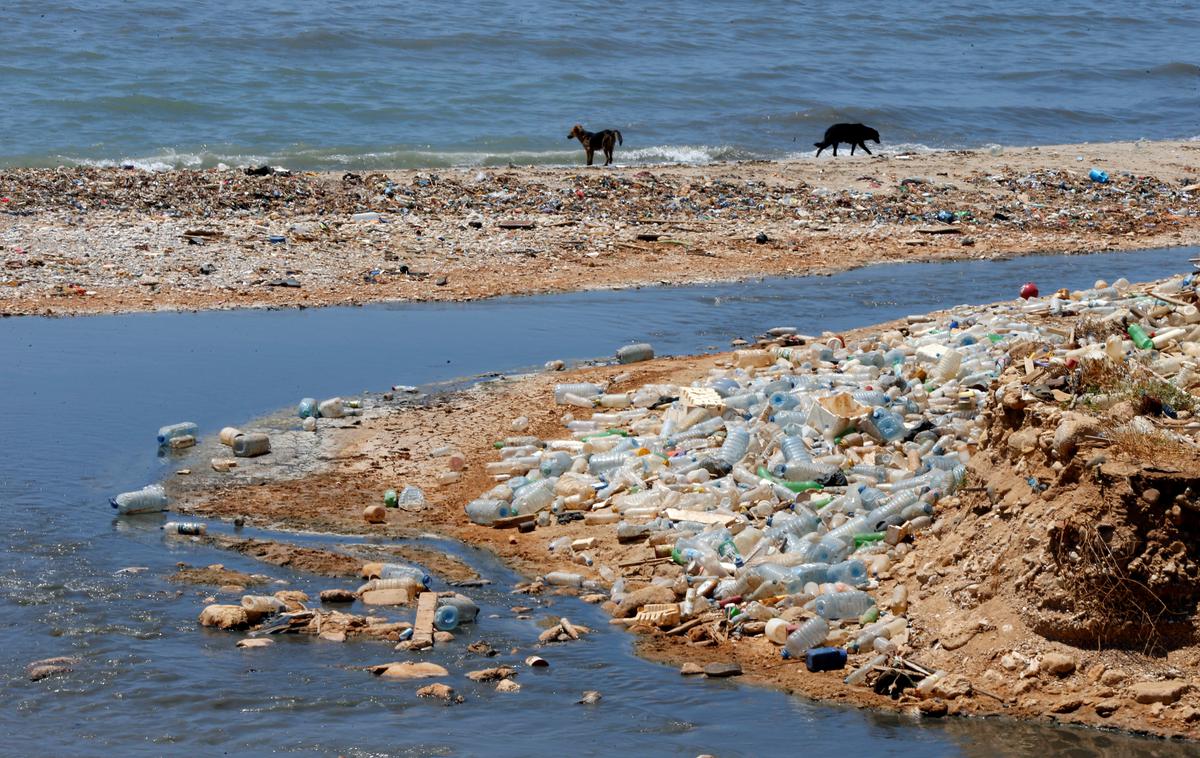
(580, 389)
(534, 497)
(563, 579)
(150, 499)
(485, 511)
(263, 604)
(737, 442)
(841, 605)
(641, 351)
(182, 429)
(185, 527)
(808, 635)
(852, 572)
(445, 618)
(251, 445)
(468, 610)
(331, 408)
(307, 408)
(403, 571)
(555, 464)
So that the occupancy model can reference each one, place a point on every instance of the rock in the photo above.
(1190, 714)
(231, 589)
(1106, 708)
(1058, 664)
(439, 691)
(722, 670)
(952, 687)
(1158, 692)
(593, 598)
(1072, 428)
(293, 599)
(333, 636)
(482, 647)
(337, 596)
(632, 601)
(1112, 677)
(375, 514)
(440, 636)
(225, 617)
(507, 685)
(1067, 705)
(408, 670)
(1022, 442)
(48, 667)
(691, 669)
(492, 674)
(933, 708)
(255, 642)
(591, 697)
(958, 631)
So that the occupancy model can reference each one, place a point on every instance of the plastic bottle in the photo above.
(841, 605)
(411, 497)
(182, 429)
(251, 445)
(228, 434)
(582, 389)
(150, 499)
(331, 408)
(948, 365)
(263, 604)
(563, 579)
(642, 351)
(808, 635)
(484, 511)
(307, 408)
(853, 572)
(1139, 337)
(445, 618)
(403, 571)
(534, 497)
(733, 449)
(468, 610)
(777, 631)
(185, 527)
(555, 464)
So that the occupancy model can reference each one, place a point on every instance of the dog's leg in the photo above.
(819, 149)
(852, 146)
(590, 153)
(835, 145)
(863, 145)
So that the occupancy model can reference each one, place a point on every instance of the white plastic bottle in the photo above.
(810, 634)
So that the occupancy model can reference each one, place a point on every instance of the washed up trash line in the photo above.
(787, 481)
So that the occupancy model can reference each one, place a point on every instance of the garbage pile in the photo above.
(791, 479)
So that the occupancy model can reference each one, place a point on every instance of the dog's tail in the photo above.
(819, 144)
(619, 140)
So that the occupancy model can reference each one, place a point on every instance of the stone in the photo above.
(933, 708)
(507, 685)
(691, 669)
(590, 697)
(254, 642)
(398, 596)
(1158, 692)
(439, 691)
(293, 599)
(338, 596)
(632, 601)
(593, 598)
(957, 632)
(1072, 429)
(492, 674)
(1189, 714)
(231, 589)
(1067, 705)
(440, 636)
(408, 670)
(483, 647)
(333, 636)
(1058, 664)
(48, 667)
(1112, 677)
(953, 687)
(722, 670)
(225, 617)
(1106, 707)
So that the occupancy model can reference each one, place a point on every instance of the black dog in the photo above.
(854, 134)
(604, 140)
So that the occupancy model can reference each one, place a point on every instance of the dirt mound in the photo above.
(1100, 525)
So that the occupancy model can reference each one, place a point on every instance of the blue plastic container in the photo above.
(825, 659)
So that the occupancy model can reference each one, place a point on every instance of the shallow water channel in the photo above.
(84, 396)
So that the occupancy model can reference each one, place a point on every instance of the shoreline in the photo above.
(199, 240)
(394, 446)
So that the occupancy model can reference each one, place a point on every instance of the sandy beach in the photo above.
(971, 610)
(82, 240)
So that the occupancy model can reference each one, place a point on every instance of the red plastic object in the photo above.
(1028, 290)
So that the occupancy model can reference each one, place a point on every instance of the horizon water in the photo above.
(341, 85)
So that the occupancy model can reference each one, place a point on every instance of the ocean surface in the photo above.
(340, 84)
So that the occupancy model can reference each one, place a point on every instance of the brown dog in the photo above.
(604, 140)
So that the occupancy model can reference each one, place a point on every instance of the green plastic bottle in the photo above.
(793, 486)
(1139, 337)
(389, 498)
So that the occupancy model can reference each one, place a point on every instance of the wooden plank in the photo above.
(508, 522)
(701, 517)
(423, 626)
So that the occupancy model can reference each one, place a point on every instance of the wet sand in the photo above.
(113, 240)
